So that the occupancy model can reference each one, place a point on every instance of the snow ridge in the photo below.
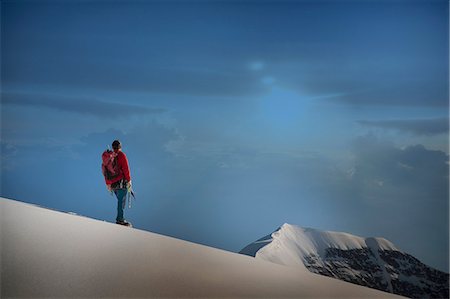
(69, 256)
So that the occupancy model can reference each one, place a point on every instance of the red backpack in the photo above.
(110, 167)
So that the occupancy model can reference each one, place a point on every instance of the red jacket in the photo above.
(124, 168)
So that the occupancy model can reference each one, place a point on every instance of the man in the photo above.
(122, 183)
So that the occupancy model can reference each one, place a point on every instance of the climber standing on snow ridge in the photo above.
(117, 177)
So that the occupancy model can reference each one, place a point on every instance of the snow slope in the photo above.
(45, 253)
(372, 262)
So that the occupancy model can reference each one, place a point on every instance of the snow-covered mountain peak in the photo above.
(372, 262)
(309, 241)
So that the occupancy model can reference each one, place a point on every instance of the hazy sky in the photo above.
(236, 116)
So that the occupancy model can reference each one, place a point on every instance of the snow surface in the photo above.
(291, 244)
(46, 253)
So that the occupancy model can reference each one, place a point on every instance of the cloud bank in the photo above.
(95, 107)
(427, 127)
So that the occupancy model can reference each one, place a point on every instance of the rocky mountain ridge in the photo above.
(370, 262)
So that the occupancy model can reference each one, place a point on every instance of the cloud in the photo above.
(95, 107)
(192, 80)
(433, 126)
(374, 88)
(257, 66)
(410, 169)
(7, 153)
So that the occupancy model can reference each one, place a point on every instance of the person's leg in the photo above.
(121, 195)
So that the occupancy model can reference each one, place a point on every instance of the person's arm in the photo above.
(125, 167)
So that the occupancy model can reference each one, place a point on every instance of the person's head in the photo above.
(116, 145)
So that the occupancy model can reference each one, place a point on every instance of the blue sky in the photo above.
(236, 116)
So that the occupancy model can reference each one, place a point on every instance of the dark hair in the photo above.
(116, 144)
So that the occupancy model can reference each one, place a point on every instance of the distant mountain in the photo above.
(371, 262)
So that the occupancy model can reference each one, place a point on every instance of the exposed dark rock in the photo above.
(393, 271)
